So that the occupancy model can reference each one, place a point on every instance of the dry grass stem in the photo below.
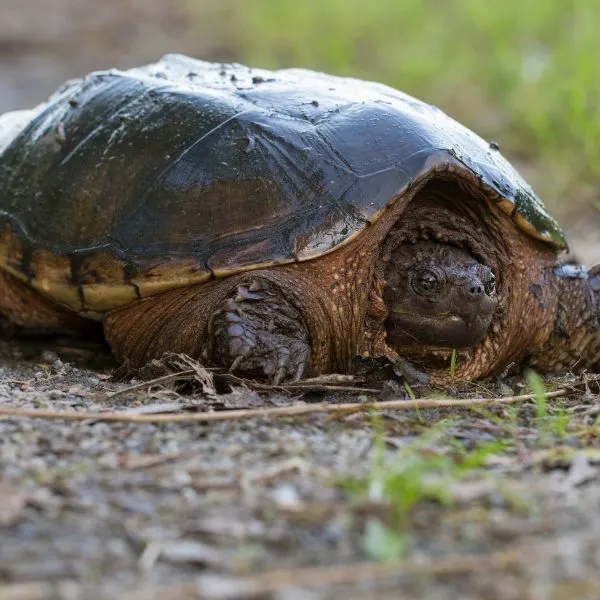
(284, 411)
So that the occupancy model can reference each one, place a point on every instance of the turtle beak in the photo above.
(461, 320)
(475, 301)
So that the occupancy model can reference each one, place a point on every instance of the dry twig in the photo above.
(283, 411)
(144, 385)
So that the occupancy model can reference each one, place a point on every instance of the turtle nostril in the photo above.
(476, 290)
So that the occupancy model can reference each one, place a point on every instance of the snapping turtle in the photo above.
(278, 224)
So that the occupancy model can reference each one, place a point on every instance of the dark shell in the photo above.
(226, 167)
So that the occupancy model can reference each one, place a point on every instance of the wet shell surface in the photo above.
(129, 183)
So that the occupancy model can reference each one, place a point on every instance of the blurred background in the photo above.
(523, 73)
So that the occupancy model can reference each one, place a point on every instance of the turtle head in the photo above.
(437, 295)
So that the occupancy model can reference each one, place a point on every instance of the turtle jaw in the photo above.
(407, 329)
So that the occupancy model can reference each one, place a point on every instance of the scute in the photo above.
(183, 170)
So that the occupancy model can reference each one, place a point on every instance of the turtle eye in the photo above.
(425, 281)
(490, 285)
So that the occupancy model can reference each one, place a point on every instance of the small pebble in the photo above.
(286, 496)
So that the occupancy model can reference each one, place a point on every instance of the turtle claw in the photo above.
(291, 364)
(235, 364)
(260, 335)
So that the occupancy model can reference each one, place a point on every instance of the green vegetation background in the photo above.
(523, 72)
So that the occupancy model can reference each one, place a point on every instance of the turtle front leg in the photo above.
(574, 342)
(258, 333)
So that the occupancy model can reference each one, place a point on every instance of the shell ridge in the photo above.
(173, 163)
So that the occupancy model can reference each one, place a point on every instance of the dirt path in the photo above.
(104, 510)
(40, 49)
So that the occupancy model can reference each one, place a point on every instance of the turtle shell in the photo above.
(128, 183)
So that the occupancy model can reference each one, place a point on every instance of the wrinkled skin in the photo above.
(437, 294)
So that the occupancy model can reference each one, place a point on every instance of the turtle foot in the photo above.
(259, 334)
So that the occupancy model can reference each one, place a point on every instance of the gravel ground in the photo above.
(250, 508)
